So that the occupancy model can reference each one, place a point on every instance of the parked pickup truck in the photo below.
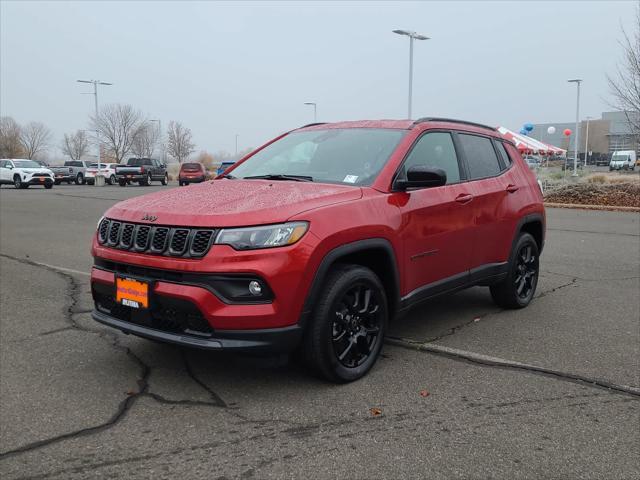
(143, 171)
(71, 171)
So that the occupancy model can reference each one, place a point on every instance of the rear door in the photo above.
(437, 223)
(5, 172)
(494, 183)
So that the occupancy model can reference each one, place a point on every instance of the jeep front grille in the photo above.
(156, 240)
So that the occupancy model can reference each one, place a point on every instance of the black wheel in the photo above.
(180, 183)
(112, 180)
(347, 328)
(17, 182)
(165, 179)
(147, 182)
(122, 183)
(48, 186)
(517, 290)
(80, 179)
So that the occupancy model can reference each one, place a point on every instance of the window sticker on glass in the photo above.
(351, 179)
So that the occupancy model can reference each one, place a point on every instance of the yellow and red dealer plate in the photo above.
(132, 293)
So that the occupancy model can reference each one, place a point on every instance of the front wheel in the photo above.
(165, 179)
(517, 290)
(48, 186)
(347, 328)
(17, 182)
(80, 179)
(112, 180)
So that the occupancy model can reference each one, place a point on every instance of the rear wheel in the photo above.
(517, 290)
(147, 181)
(112, 179)
(347, 328)
(80, 179)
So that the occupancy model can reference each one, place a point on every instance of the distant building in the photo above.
(606, 135)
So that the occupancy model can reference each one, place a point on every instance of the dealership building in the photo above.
(606, 135)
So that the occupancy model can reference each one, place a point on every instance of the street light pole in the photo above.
(95, 98)
(412, 36)
(315, 110)
(586, 143)
(577, 81)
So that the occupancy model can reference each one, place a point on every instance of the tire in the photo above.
(112, 180)
(165, 179)
(69, 181)
(48, 186)
(340, 343)
(518, 289)
(90, 182)
(148, 181)
(122, 183)
(17, 182)
(80, 179)
(57, 182)
(180, 183)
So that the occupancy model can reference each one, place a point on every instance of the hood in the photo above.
(35, 170)
(232, 203)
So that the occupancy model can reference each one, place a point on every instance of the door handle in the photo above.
(464, 198)
(512, 188)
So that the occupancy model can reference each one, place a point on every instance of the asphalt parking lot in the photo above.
(464, 390)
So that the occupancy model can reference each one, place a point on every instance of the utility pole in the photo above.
(577, 81)
(95, 98)
(412, 36)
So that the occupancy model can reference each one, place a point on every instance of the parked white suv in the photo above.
(23, 173)
(623, 160)
(107, 170)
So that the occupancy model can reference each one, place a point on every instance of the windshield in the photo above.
(26, 164)
(620, 157)
(351, 156)
(136, 162)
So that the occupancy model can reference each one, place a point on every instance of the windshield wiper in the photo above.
(228, 176)
(279, 176)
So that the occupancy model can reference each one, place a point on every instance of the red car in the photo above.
(319, 238)
(192, 173)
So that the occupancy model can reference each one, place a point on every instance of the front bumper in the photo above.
(39, 181)
(275, 340)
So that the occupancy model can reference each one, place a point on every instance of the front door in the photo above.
(436, 222)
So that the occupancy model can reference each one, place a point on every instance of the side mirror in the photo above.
(421, 176)
(10, 167)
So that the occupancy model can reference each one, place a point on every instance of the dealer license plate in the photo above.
(132, 293)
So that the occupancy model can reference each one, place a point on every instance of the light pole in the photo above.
(159, 137)
(95, 98)
(412, 36)
(586, 143)
(315, 110)
(577, 81)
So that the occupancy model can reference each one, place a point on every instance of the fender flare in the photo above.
(531, 218)
(333, 256)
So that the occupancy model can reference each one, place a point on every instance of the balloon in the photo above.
(551, 130)
(528, 127)
(567, 132)
(523, 131)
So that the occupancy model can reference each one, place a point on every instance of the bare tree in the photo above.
(625, 84)
(75, 145)
(35, 138)
(179, 144)
(145, 141)
(10, 144)
(118, 126)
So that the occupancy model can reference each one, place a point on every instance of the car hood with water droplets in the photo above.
(231, 203)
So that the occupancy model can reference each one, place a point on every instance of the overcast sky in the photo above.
(246, 68)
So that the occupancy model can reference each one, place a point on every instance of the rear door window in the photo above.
(481, 156)
(435, 150)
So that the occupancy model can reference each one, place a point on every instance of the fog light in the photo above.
(255, 288)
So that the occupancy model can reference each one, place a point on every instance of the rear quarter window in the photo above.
(481, 156)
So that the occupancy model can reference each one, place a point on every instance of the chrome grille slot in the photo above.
(159, 239)
(200, 242)
(114, 233)
(142, 237)
(126, 239)
(103, 230)
(179, 239)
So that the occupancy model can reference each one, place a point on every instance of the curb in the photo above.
(613, 208)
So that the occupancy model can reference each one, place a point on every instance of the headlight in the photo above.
(262, 237)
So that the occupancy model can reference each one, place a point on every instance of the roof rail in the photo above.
(453, 120)
(313, 124)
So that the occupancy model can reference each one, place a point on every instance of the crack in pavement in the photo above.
(622, 234)
(589, 279)
(488, 361)
(73, 290)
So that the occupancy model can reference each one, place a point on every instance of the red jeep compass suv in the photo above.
(320, 237)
